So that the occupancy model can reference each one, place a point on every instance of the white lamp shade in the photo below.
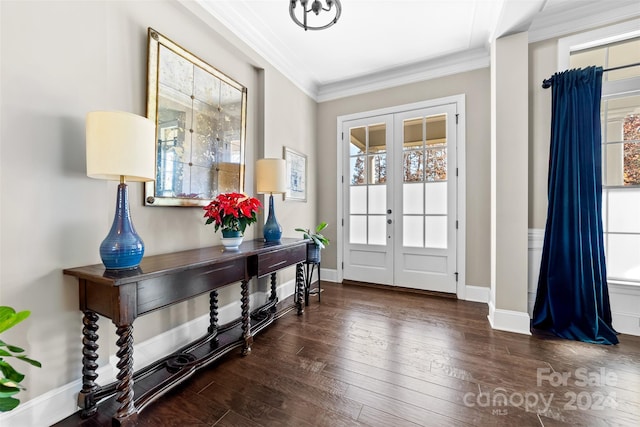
(270, 176)
(120, 144)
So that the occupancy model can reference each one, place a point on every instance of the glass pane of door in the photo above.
(425, 182)
(367, 184)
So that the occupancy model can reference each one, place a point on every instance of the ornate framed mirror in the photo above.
(200, 116)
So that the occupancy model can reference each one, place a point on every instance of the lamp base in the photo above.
(122, 249)
(272, 230)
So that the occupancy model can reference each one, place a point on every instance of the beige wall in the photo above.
(61, 60)
(542, 65)
(292, 123)
(475, 85)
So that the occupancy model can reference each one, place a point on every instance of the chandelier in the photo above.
(333, 6)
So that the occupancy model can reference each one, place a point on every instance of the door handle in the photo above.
(389, 221)
(388, 211)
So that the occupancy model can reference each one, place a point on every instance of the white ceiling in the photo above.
(382, 43)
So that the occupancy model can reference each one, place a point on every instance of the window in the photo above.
(620, 112)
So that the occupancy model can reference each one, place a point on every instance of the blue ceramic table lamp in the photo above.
(270, 179)
(120, 147)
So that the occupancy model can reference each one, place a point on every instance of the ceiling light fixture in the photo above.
(316, 7)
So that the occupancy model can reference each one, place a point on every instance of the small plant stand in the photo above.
(309, 267)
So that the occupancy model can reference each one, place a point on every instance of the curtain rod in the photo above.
(546, 83)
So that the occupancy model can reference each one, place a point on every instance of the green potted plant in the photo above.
(10, 378)
(318, 241)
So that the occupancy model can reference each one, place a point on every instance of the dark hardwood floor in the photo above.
(377, 357)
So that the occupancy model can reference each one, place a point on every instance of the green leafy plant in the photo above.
(10, 380)
(315, 236)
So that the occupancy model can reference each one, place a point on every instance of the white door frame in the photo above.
(461, 181)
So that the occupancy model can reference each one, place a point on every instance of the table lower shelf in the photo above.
(154, 380)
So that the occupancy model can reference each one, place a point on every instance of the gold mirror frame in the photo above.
(200, 117)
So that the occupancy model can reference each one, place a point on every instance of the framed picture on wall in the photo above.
(296, 175)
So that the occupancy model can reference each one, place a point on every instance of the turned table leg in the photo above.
(246, 321)
(89, 365)
(299, 288)
(213, 314)
(124, 388)
(274, 295)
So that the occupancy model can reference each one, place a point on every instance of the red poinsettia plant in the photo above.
(232, 211)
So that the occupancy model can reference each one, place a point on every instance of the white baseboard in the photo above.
(57, 404)
(536, 241)
(625, 308)
(477, 294)
(509, 320)
(329, 274)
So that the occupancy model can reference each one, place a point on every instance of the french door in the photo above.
(399, 198)
(368, 201)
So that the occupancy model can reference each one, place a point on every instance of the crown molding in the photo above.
(410, 73)
(552, 24)
(234, 19)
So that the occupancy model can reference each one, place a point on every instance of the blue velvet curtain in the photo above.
(572, 299)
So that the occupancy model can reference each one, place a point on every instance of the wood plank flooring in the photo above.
(382, 358)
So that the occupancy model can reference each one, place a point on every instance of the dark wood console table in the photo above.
(161, 281)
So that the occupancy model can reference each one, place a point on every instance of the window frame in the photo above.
(610, 89)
